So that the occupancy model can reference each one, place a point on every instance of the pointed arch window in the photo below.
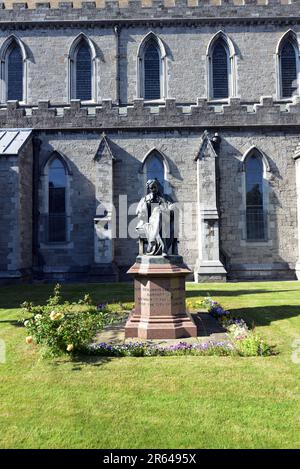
(15, 74)
(151, 69)
(221, 67)
(57, 184)
(255, 213)
(82, 59)
(13, 70)
(155, 168)
(288, 69)
(83, 73)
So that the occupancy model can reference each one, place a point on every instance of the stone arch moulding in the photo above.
(53, 155)
(232, 68)
(143, 171)
(72, 65)
(249, 152)
(151, 36)
(292, 37)
(5, 48)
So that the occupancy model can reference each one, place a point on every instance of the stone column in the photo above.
(104, 220)
(208, 266)
(297, 168)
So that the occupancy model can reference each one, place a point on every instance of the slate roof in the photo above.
(12, 140)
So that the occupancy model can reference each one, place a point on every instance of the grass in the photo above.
(160, 402)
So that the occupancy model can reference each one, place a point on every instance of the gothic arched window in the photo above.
(155, 168)
(13, 59)
(255, 218)
(83, 72)
(220, 66)
(151, 68)
(288, 69)
(151, 71)
(57, 184)
(14, 73)
(82, 62)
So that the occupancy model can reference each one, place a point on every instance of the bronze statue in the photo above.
(156, 222)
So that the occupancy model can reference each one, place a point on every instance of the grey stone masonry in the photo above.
(204, 114)
(105, 143)
(134, 10)
(16, 214)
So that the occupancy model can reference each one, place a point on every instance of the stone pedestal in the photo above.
(159, 294)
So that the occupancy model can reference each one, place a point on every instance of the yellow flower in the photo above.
(55, 316)
(52, 315)
(29, 339)
(70, 347)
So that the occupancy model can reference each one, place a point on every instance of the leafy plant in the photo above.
(64, 327)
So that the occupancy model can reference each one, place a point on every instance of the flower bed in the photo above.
(144, 349)
(63, 327)
(246, 341)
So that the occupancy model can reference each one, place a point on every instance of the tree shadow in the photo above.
(214, 293)
(265, 315)
(79, 361)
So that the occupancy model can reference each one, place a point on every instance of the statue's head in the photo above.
(153, 186)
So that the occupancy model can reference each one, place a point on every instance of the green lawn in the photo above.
(160, 402)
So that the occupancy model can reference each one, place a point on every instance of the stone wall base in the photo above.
(276, 271)
(15, 276)
(210, 271)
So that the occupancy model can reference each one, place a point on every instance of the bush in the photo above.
(253, 345)
(65, 327)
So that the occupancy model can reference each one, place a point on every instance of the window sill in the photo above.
(57, 245)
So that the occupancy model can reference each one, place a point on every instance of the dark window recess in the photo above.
(57, 202)
(15, 75)
(289, 84)
(155, 169)
(220, 71)
(151, 72)
(83, 73)
(255, 215)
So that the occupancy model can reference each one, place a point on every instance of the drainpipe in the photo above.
(117, 30)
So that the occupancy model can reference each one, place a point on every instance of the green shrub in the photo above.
(62, 327)
(253, 345)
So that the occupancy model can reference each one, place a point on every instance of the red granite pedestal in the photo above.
(159, 293)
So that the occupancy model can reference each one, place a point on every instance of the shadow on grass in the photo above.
(214, 293)
(11, 297)
(79, 361)
(264, 316)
